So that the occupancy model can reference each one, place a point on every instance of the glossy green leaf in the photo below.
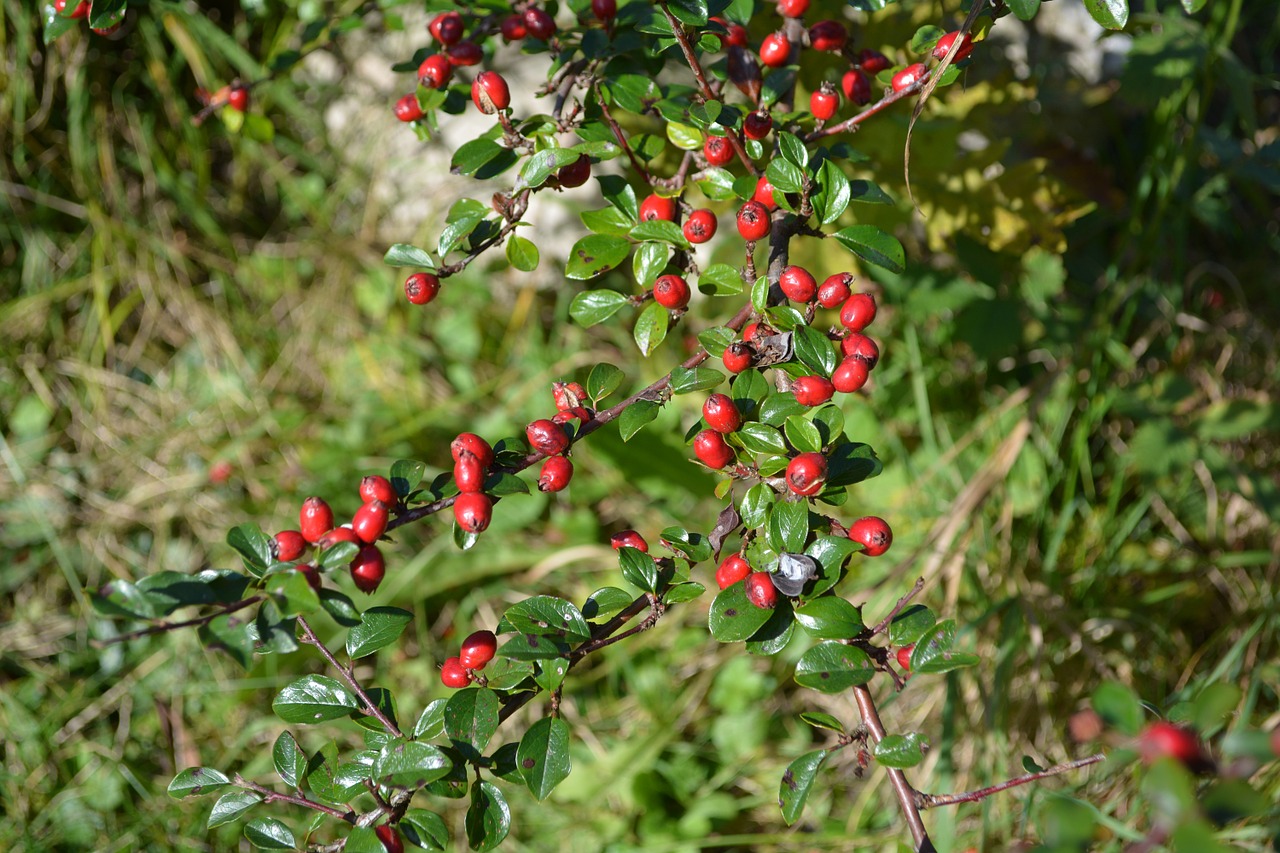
(230, 806)
(313, 699)
(522, 254)
(605, 602)
(761, 438)
(833, 195)
(660, 230)
(733, 617)
(773, 636)
(167, 591)
(425, 829)
(934, 654)
(685, 380)
(802, 435)
(252, 545)
(488, 818)
(1119, 707)
(105, 13)
(874, 246)
(196, 782)
(785, 176)
(595, 254)
(830, 618)
(900, 751)
(1111, 14)
(531, 647)
(793, 149)
(430, 724)
(649, 260)
(1024, 10)
(834, 667)
(684, 137)
(909, 625)
(379, 628)
(815, 350)
(788, 526)
(231, 633)
(543, 756)
(636, 416)
(822, 720)
(718, 280)
(409, 764)
(595, 306)
(405, 475)
(609, 220)
(548, 616)
(267, 833)
(755, 504)
(651, 328)
(694, 546)
(340, 607)
(603, 380)
(543, 165)
(290, 760)
(470, 719)
(797, 782)
(681, 592)
(638, 568)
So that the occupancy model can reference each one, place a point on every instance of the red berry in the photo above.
(775, 50)
(370, 521)
(718, 150)
(671, 291)
(513, 28)
(628, 539)
(288, 545)
(824, 102)
(540, 24)
(421, 287)
(807, 473)
(731, 570)
(81, 9)
(858, 311)
(237, 97)
(857, 345)
(792, 8)
(469, 474)
(471, 443)
(812, 390)
(454, 674)
(761, 591)
(756, 330)
(722, 414)
(873, 61)
(735, 34)
(604, 10)
(738, 357)
(908, 76)
(315, 519)
(757, 124)
(575, 174)
(944, 44)
(657, 207)
(828, 36)
(797, 283)
(835, 290)
(478, 649)
(390, 838)
(700, 226)
(856, 87)
(220, 471)
(568, 395)
(465, 53)
(490, 93)
(556, 473)
(407, 108)
(473, 511)
(753, 221)
(873, 533)
(850, 375)
(712, 450)
(375, 487)
(368, 569)
(1163, 739)
(312, 574)
(337, 535)
(446, 28)
(546, 437)
(435, 70)
(904, 656)
(764, 193)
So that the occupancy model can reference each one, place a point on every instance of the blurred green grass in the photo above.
(1080, 455)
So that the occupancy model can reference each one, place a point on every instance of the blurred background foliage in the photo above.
(1076, 408)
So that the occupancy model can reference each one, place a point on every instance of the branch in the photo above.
(929, 801)
(270, 796)
(883, 624)
(161, 627)
(907, 796)
(882, 104)
(309, 636)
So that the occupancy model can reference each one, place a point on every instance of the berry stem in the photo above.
(309, 636)
(929, 801)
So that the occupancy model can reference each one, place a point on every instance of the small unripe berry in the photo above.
(540, 24)
(700, 226)
(315, 519)
(390, 838)
(753, 221)
(828, 36)
(904, 656)
(478, 649)
(722, 414)
(856, 87)
(464, 54)
(824, 102)
(858, 311)
(657, 207)
(446, 28)
(850, 375)
(873, 533)
(604, 10)
(792, 8)
(731, 570)
(833, 292)
(812, 390)
(711, 448)
(944, 44)
(775, 49)
(468, 473)
(757, 124)
(718, 150)
(798, 284)
(421, 287)
(288, 545)
(435, 70)
(237, 96)
(556, 473)
(873, 61)
(628, 539)
(806, 474)
(764, 193)
(473, 511)
(761, 591)
(671, 291)
(513, 28)
(575, 174)
(370, 521)
(858, 345)
(454, 674)
(469, 442)
(375, 487)
(738, 357)
(908, 76)
(490, 93)
(407, 108)
(368, 569)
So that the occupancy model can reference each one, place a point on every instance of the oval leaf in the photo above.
(488, 817)
(797, 781)
(595, 254)
(543, 756)
(313, 699)
(733, 617)
(834, 668)
(379, 627)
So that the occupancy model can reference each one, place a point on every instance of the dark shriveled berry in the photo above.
(390, 839)
(828, 36)
(446, 28)
(856, 86)
(575, 174)
(547, 437)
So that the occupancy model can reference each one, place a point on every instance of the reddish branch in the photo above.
(880, 105)
(929, 801)
(371, 707)
(270, 796)
(901, 787)
(162, 627)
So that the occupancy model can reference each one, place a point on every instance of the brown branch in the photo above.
(309, 636)
(929, 801)
(619, 135)
(270, 796)
(901, 787)
(882, 104)
(883, 624)
(162, 627)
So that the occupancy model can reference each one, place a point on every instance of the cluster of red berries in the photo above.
(476, 652)
(316, 528)
(82, 10)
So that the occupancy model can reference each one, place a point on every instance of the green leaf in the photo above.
(290, 760)
(773, 636)
(649, 260)
(788, 526)
(340, 607)
(694, 546)
(430, 724)
(548, 616)
(543, 165)
(685, 380)
(167, 591)
(196, 782)
(733, 617)
(603, 380)
(501, 484)
(1119, 707)
(105, 13)
(681, 592)
(231, 633)
(760, 438)
(425, 829)
(821, 720)
(660, 230)
(618, 192)
(527, 647)
(363, 839)
(313, 699)
(797, 781)
(1214, 705)
(718, 280)
(1025, 10)
(868, 192)
(831, 552)
(406, 474)
(595, 306)
(830, 618)
(488, 818)
(595, 254)
(252, 545)
(755, 505)
(786, 177)
(874, 246)
(925, 38)
(793, 149)
(900, 751)
(378, 628)
(409, 764)
(522, 253)
(457, 230)
(56, 25)
(543, 756)
(833, 194)
(691, 12)
(1111, 14)
(814, 350)
(267, 833)
(635, 416)
(338, 556)
(651, 328)
(717, 184)
(909, 625)
(470, 719)
(638, 568)
(230, 806)
(834, 668)
(933, 653)
(471, 156)
(802, 435)
(610, 220)
(684, 137)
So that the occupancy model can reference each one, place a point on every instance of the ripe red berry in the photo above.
(806, 474)
(824, 102)
(735, 35)
(657, 207)
(904, 656)
(390, 838)
(851, 375)
(368, 569)
(828, 36)
(237, 97)
(858, 311)
(834, 290)
(775, 50)
(375, 487)
(546, 437)
(671, 291)
(908, 76)
(469, 442)
(764, 193)
(628, 539)
(575, 174)
(421, 287)
(407, 108)
(490, 92)
(718, 150)
(568, 395)
(873, 61)
(556, 473)
(792, 8)
(337, 535)
(944, 44)
(312, 574)
(315, 519)
(513, 28)
(722, 414)
(857, 345)
(761, 591)
(738, 357)
(435, 70)
(370, 521)
(465, 53)
(473, 511)
(288, 545)
(700, 226)
(454, 674)
(604, 10)
(81, 9)
(478, 649)
(711, 448)
(1164, 739)
(731, 570)
(873, 533)
(468, 473)
(446, 28)
(756, 330)
(753, 221)
(757, 124)
(856, 87)
(540, 24)
(812, 390)
(581, 413)
(798, 284)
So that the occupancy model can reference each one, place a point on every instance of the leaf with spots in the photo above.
(314, 699)
(595, 254)
(410, 764)
(797, 781)
(488, 818)
(548, 616)
(543, 756)
(470, 719)
(195, 781)
(734, 618)
(834, 668)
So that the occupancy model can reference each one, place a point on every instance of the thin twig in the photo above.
(883, 624)
(309, 636)
(882, 104)
(270, 796)
(901, 787)
(162, 627)
(930, 801)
